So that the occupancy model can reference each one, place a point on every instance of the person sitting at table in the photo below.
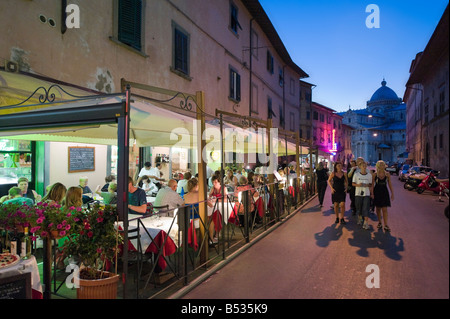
(210, 184)
(55, 194)
(169, 196)
(109, 197)
(108, 179)
(216, 194)
(147, 185)
(191, 199)
(137, 199)
(242, 187)
(183, 184)
(86, 191)
(73, 198)
(15, 197)
(22, 183)
(230, 179)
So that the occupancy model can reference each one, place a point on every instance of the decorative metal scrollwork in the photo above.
(46, 96)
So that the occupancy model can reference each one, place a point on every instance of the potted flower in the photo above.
(55, 222)
(93, 242)
(15, 216)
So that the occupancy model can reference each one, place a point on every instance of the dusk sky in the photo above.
(347, 60)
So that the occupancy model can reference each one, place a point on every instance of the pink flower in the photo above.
(40, 220)
(99, 220)
(99, 250)
(35, 229)
(67, 226)
(44, 234)
(59, 226)
(90, 234)
(62, 233)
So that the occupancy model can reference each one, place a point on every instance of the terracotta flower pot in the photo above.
(105, 288)
(54, 234)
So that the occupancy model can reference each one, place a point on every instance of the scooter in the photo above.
(413, 181)
(432, 184)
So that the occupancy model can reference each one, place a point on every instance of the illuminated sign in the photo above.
(334, 149)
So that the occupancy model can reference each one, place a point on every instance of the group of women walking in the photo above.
(366, 189)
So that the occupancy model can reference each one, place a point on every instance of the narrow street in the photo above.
(311, 257)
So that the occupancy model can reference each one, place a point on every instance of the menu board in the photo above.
(16, 287)
(81, 159)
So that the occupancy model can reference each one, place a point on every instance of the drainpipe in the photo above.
(250, 65)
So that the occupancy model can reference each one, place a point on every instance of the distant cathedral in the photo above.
(379, 130)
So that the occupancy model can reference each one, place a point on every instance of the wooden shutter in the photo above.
(130, 22)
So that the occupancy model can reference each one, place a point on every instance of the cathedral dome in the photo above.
(384, 93)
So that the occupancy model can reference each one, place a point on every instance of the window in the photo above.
(269, 62)
(280, 108)
(292, 86)
(308, 115)
(280, 76)
(292, 121)
(442, 101)
(270, 112)
(235, 85)
(234, 22)
(130, 23)
(315, 115)
(441, 140)
(434, 142)
(254, 98)
(180, 50)
(254, 44)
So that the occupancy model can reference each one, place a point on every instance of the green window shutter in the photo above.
(181, 51)
(130, 23)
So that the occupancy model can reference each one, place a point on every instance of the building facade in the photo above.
(379, 130)
(427, 101)
(227, 49)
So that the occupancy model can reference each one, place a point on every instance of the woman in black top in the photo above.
(322, 178)
(338, 184)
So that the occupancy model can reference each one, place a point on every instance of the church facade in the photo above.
(378, 132)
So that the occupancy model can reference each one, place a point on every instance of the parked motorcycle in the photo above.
(432, 184)
(413, 181)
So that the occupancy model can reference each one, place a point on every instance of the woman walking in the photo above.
(362, 180)
(338, 184)
(322, 178)
(381, 181)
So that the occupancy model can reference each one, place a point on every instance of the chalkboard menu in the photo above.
(16, 287)
(81, 159)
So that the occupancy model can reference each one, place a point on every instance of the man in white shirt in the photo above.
(146, 169)
(169, 196)
(153, 173)
(182, 184)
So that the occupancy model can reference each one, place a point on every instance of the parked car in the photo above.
(393, 169)
(402, 172)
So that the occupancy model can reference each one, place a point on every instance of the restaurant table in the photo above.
(216, 214)
(153, 235)
(24, 266)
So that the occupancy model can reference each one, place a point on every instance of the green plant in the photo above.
(95, 238)
(15, 214)
(55, 219)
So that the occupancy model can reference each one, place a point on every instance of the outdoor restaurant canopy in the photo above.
(152, 123)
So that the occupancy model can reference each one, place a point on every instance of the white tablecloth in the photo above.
(24, 266)
(228, 209)
(154, 225)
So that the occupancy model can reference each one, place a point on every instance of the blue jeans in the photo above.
(362, 204)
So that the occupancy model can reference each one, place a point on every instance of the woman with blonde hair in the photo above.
(381, 180)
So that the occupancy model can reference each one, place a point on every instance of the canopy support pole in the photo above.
(123, 139)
